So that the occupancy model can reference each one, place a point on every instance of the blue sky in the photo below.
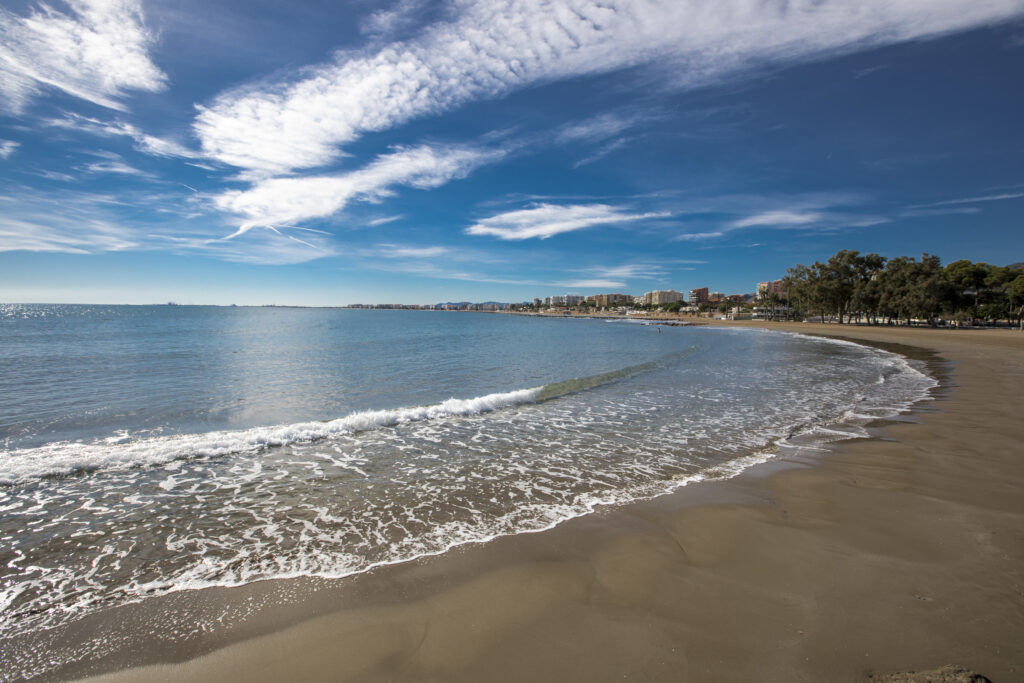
(326, 153)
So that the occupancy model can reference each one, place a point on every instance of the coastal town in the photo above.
(762, 304)
(849, 287)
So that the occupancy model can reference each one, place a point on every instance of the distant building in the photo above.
(772, 287)
(698, 296)
(608, 300)
(573, 299)
(538, 303)
(662, 296)
(715, 297)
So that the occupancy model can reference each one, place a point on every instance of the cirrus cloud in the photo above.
(96, 53)
(281, 202)
(492, 47)
(547, 220)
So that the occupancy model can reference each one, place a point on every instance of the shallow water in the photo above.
(148, 450)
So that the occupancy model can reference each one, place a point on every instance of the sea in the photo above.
(148, 450)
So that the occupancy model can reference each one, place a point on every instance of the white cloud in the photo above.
(7, 148)
(546, 220)
(96, 53)
(778, 218)
(61, 234)
(395, 251)
(598, 128)
(593, 284)
(265, 247)
(384, 220)
(971, 200)
(148, 144)
(631, 271)
(815, 211)
(949, 211)
(601, 153)
(492, 47)
(112, 167)
(387, 22)
(53, 175)
(281, 202)
(694, 236)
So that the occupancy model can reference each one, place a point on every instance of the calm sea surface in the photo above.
(152, 449)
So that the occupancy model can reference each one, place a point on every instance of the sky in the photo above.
(406, 151)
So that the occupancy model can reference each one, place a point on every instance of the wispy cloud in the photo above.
(282, 202)
(264, 247)
(598, 277)
(594, 283)
(970, 200)
(602, 152)
(384, 220)
(7, 148)
(75, 220)
(58, 235)
(644, 270)
(600, 127)
(863, 73)
(698, 236)
(68, 222)
(488, 49)
(396, 251)
(96, 53)
(776, 218)
(947, 211)
(547, 220)
(143, 142)
(54, 175)
(386, 23)
(112, 163)
(817, 212)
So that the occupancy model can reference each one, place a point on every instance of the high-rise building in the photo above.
(773, 287)
(606, 300)
(698, 296)
(663, 296)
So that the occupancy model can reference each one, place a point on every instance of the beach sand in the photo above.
(899, 552)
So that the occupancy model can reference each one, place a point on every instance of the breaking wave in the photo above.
(65, 458)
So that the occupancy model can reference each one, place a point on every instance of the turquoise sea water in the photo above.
(147, 450)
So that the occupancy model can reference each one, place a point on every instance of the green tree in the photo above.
(866, 288)
(841, 276)
(1016, 294)
(968, 278)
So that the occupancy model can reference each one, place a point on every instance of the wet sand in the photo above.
(894, 553)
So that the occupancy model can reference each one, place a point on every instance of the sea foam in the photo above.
(64, 458)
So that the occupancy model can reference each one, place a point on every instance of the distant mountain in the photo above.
(1016, 266)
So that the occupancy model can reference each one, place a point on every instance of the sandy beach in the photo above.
(900, 552)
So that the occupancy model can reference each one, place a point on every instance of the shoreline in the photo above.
(713, 582)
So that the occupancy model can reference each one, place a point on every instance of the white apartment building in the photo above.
(662, 296)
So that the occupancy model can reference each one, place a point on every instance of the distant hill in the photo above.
(1016, 266)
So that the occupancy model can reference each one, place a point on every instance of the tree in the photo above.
(841, 275)
(968, 278)
(867, 289)
(1016, 292)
